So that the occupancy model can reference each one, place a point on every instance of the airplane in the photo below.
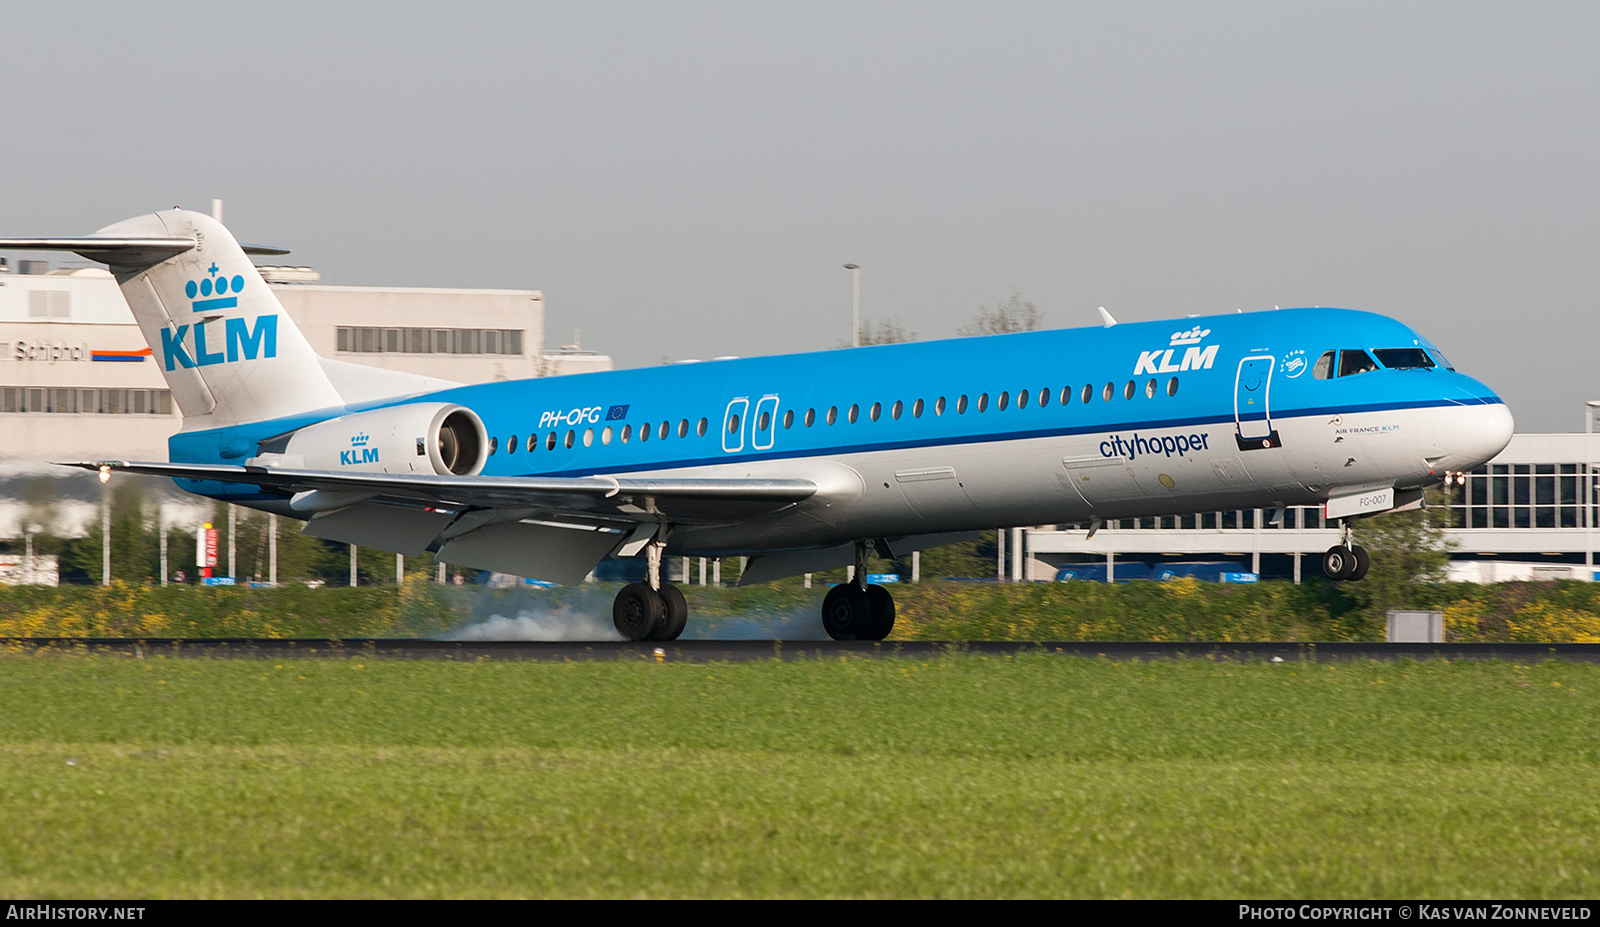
(800, 462)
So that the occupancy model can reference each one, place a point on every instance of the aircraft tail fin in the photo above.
(229, 352)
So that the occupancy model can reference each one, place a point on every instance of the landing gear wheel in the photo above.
(882, 613)
(847, 613)
(1362, 562)
(1339, 562)
(676, 614)
(637, 611)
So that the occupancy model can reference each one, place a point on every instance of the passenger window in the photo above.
(961, 404)
(1088, 393)
(896, 409)
(1066, 395)
(1022, 398)
(1404, 358)
(683, 428)
(733, 424)
(588, 437)
(605, 435)
(1044, 397)
(833, 414)
(700, 429)
(1172, 387)
(1108, 392)
(916, 409)
(1003, 401)
(938, 406)
(1150, 389)
(572, 438)
(511, 445)
(627, 432)
(1127, 391)
(1352, 362)
(811, 417)
(788, 419)
(877, 407)
(644, 431)
(493, 443)
(1324, 368)
(550, 442)
(855, 412)
(983, 402)
(533, 443)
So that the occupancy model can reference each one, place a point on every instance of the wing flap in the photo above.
(558, 553)
(404, 530)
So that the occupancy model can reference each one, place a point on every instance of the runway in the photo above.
(745, 650)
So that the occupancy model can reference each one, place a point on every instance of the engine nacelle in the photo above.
(422, 437)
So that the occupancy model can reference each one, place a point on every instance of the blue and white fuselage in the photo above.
(1027, 428)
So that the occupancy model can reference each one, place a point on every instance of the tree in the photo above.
(1014, 315)
(135, 556)
(886, 331)
(1409, 553)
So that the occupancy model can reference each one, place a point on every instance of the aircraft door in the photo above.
(1251, 413)
(733, 425)
(764, 423)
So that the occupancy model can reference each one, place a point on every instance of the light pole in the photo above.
(28, 568)
(1588, 489)
(855, 302)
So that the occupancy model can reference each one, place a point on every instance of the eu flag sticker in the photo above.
(616, 413)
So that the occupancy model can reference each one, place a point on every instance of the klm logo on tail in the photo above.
(240, 340)
(359, 453)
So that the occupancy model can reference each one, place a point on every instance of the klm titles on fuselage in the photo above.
(1194, 357)
(241, 341)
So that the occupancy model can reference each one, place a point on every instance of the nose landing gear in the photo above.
(857, 611)
(1346, 561)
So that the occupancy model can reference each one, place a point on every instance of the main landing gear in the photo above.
(1345, 561)
(651, 610)
(856, 611)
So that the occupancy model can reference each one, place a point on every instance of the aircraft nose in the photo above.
(1473, 435)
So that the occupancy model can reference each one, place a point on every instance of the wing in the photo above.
(554, 528)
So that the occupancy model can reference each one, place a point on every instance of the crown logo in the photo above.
(202, 291)
(359, 440)
(1192, 336)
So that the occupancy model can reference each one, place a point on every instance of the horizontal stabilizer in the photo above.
(129, 252)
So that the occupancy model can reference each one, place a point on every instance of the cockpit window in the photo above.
(1443, 361)
(1352, 362)
(1324, 368)
(1404, 358)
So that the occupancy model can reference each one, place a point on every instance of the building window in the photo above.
(474, 341)
(73, 399)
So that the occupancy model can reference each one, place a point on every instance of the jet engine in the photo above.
(422, 437)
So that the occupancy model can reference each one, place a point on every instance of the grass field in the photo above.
(955, 777)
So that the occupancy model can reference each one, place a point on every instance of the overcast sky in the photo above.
(687, 179)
